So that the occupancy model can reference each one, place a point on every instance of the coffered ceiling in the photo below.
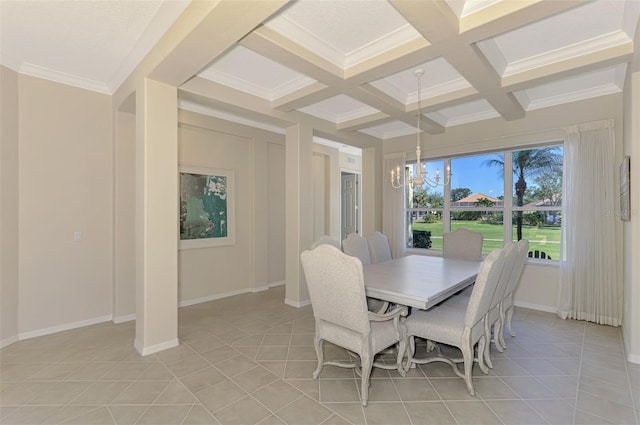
(347, 66)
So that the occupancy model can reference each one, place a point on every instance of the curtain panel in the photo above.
(393, 206)
(589, 288)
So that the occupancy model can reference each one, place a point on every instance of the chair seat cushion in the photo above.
(438, 324)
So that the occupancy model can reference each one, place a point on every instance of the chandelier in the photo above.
(421, 177)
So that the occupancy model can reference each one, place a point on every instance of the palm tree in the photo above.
(529, 164)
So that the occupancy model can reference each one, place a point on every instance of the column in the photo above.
(156, 217)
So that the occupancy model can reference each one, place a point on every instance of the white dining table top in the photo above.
(417, 280)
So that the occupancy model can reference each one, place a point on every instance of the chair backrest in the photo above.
(462, 244)
(522, 247)
(486, 283)
(379, 249)
(326, 240)
(539, 254)
(356, 246)
(336, 287)
(510, 253)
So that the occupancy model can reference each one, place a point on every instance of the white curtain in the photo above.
(393, 219)
(589, 287)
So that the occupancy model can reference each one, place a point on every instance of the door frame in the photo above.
(358, 175)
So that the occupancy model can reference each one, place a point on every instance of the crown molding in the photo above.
(215, 113)
(291, 86)
(607, 41)
(602, 90)
(290, 29)
(64, 78)
(383, 44)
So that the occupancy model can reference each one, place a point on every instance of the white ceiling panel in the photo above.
(339, 109)
(252, 73)
(586, 28)
(592, 84)
(390, 130)
(344, 32)
(439, 78)
(464, 113)
(91, 44)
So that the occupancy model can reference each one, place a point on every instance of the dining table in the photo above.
(418, 281)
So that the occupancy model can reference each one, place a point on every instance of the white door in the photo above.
(349, 205)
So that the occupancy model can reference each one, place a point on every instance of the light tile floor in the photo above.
(248, 359)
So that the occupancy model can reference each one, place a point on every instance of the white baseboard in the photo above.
(214, 297)
(194, 301)
(261, 288)
(8, 341)
(537, 307)
(124, 318)
(64, 327)
(145, 351)
(129, 317)
(297, 304)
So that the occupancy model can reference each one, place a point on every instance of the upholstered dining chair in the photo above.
(325, 239)
(462, 328)
(379, 249)
(336, 288)
(506, 306)
(357, 246)
(462, 244)
(493, 318)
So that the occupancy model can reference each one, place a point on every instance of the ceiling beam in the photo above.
(220, 28)
(300, 98)
(436, 21)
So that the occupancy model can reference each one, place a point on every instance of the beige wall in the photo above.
(209, 273)
(8, 206)
(631, 322)
(275, 211)
(124, 285)
(320, 190)
(539, 286)
(65, 186)
(349, 162)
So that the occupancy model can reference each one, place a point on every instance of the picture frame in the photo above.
(207, 207)
(625, 178)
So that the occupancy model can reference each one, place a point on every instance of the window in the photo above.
(481, 197)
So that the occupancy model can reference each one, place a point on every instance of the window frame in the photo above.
(508, 209)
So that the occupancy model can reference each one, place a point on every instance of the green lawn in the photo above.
(543, 238)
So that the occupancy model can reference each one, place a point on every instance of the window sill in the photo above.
(530, 261)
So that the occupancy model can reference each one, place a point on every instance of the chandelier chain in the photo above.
(421, 178)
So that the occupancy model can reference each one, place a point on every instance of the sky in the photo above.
(473, 173)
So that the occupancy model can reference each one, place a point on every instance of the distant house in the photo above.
(555, 200)
(472, 200)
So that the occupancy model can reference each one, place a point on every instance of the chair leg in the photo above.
(411, 351)
(367, 364)
(497, 329)
(402, 350)
(503, 319)
(509, 316)
(481, 362)
(498, 339)
(317, 342)
(467, 355)
(487, 344)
